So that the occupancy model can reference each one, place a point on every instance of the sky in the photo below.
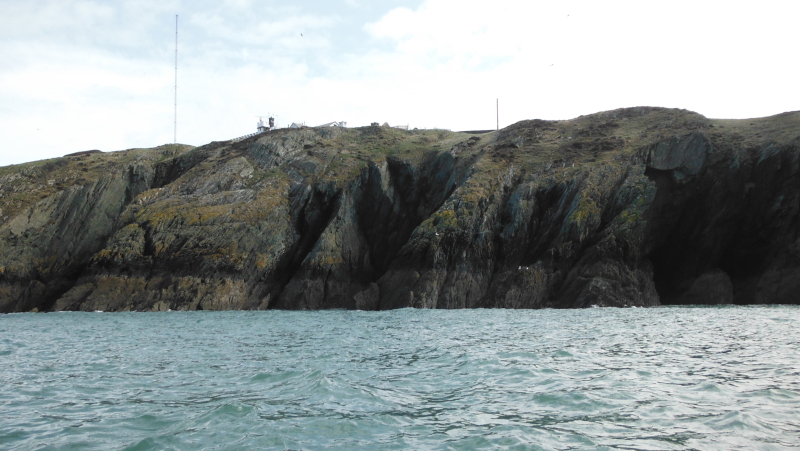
(100, 74)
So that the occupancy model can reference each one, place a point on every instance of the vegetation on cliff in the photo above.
(632, 207)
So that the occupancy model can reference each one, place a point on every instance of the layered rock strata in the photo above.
(632, 207)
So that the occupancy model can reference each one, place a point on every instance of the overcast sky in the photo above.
(99, 74)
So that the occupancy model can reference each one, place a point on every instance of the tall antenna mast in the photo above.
(497, 106)
(175, 124)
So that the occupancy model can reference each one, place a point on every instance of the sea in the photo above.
(667, 378)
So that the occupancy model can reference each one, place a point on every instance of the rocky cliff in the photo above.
(632, 207)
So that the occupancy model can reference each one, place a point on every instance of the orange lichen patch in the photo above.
(260, 208)
(331, 260)
(224, 256)
(160, 248)
(254, 205)
(105, 254)
(159, 218)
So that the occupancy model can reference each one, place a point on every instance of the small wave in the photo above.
(408, 379)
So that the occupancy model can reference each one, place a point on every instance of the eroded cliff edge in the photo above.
(632, 207)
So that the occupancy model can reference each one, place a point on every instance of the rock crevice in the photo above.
(632, 207)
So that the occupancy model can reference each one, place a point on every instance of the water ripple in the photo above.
(644, 379)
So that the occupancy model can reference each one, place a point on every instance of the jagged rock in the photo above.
(632, 207)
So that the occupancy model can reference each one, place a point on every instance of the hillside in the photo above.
(632, 207)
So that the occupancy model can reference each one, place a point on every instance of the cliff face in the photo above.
(632, 207)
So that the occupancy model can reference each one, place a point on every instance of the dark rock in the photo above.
(632, 207)
(713, 287)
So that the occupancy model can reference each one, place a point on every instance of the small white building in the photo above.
(334, 124)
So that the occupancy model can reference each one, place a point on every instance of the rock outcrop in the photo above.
(632, 207)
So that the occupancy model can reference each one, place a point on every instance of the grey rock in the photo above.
(642, 207)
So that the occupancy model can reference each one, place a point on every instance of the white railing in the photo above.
(245, 136)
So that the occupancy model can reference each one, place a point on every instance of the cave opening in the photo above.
(682, 271)
(666, 238)
(705, 248)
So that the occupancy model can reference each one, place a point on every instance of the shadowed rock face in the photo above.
(633, 207)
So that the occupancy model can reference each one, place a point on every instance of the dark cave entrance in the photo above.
(693, 231)
(669, 254)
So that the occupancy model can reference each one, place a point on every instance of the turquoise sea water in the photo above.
(632, 379)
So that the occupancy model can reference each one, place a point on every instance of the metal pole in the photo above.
(175, 125)
(497, 105)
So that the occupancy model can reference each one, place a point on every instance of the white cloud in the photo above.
(561, 59)
(261, 33)
(86, 74)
